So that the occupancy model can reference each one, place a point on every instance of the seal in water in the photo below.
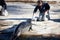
(22, 27)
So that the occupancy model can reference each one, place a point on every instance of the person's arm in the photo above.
(35, 10)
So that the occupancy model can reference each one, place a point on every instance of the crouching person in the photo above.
(43, 9)
(3, 9)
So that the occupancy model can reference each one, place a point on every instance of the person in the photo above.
(43, 9)
(4, 7)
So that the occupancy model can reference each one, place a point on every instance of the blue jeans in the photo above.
(44, 15)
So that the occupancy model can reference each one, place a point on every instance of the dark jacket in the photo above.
(42, 8)
(3, 4)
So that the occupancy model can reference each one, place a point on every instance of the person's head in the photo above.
(39, 2)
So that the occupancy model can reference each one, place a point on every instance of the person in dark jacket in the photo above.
(43, 8)
(3, 4)
(3, 10)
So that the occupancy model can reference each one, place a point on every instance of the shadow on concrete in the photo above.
(57, 10)
(14, 10)
(56, 20)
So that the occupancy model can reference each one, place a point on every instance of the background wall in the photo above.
(49, 1)
(21, 0)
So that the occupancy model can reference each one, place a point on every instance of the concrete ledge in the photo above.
(28, 34)
(42, 35)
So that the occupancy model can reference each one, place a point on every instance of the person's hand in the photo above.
(5, 12)
(33, 16)
(0, 8)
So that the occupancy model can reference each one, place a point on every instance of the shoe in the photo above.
(42, 20)
(38, 20)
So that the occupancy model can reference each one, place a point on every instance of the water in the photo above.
(6, 36)
(37, 38)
